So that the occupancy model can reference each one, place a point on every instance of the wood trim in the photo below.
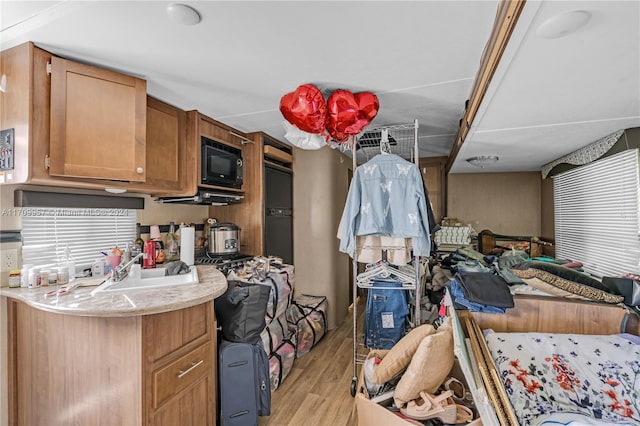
(193, 153)
(505, 22)
(277, 154)
(12, 362)
(220, 132)
(490, 376)
(555, 315)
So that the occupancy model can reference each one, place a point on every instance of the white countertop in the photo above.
(126, 303)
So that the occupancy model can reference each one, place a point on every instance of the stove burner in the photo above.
(224, 262)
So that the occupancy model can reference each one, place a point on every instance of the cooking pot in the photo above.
(224, 238)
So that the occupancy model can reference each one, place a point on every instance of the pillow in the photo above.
(429, 367)
(559, 286)
(399, 356)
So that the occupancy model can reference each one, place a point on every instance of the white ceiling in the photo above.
(548, 97)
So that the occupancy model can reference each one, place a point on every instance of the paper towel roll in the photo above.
(187, 244)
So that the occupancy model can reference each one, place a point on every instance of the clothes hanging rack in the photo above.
(402, 140)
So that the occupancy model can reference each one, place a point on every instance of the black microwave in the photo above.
(221, 164)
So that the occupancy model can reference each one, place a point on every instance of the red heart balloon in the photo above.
(349, 114)
(338, 136)
(305, 108)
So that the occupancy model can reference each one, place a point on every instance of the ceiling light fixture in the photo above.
(183, 14)
(563, 24)
(483, 161)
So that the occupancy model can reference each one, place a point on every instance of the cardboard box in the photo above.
(372, 414)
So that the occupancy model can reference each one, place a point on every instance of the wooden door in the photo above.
(98, 123)
(432, 170)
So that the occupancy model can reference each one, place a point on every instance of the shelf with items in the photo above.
(402, 141)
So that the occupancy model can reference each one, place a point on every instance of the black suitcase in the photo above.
(245, 389)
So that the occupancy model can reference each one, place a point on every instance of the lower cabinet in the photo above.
(191, 407)
(155, 369)
(180, 376)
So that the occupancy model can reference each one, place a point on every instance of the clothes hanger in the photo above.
(384, 270)
(385, 147)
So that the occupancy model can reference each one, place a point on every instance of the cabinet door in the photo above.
(166, 147)
(195, 406)
(98, 123)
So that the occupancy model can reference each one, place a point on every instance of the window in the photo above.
(596, 215)
(46, 232)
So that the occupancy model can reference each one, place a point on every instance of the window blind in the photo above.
(46, 232)
(596, 215)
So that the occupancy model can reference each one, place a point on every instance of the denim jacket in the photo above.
(386, 197)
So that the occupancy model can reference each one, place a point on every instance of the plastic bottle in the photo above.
(24, 276)
(71, 264)
(179, 235)
(34, 278)
(126, 254)
(171, 246)
(138, 244)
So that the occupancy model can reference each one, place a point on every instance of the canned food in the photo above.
(14, 278)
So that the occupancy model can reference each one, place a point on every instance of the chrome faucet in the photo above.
(122, 270)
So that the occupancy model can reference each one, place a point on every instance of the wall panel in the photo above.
(505, 203)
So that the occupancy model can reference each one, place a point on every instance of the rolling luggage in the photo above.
(245, 389)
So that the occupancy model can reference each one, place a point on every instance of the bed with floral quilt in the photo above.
(569, 379)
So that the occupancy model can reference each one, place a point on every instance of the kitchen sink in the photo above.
(149, 278)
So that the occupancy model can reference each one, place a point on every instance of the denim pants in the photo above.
(386, 314)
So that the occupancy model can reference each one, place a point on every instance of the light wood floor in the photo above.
(317, 390)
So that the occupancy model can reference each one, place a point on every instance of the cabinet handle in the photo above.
(139, 170)
(181, 374)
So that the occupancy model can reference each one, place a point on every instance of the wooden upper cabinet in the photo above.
(166, 147)
(98, 123)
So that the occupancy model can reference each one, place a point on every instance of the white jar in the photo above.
(53, 277)
(97, 269)
(44, 277)
(63, 275)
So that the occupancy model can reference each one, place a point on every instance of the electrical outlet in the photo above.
(9, 259)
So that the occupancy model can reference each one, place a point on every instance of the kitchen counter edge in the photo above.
(127, 303)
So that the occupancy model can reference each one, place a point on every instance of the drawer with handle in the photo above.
(173, 378)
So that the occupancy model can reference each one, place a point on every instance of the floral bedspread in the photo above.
(591, 377)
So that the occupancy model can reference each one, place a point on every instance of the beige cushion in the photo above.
(399, 356)
(429, 367)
